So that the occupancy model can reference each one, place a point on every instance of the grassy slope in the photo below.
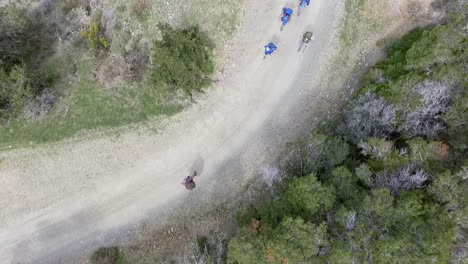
(85, 105)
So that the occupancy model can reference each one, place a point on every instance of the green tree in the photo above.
(296, 241)
(307, 196)
(422, 151)
(377, 209)
(183, 58)
(441, 45)
(456, 120)
(247, 247)
(345, 184)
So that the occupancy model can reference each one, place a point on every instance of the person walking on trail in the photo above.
(286, 16)
(188, 182)
(306, 38)
(269, 49)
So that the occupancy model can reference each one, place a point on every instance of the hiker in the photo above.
(188, 182)
(285, 16)
(269, 49)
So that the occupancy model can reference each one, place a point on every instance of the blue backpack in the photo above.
(270, 48)
(287, 11)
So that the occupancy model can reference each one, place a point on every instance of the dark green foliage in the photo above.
(396, 192)
(394, 65)
(348, 191)
(456, 120)
(24, 43)
(108, 255)
(296, 241)
(440, 45)
(16, 37)
(247, 247)
(14, 90)
(293, 241)
(307, 197)
(183, 58)
(411, 91)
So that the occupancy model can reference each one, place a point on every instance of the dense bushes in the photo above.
(396, 190)
(183, 58)
(24, 43)
(411, 91)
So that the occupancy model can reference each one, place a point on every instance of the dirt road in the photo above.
(66, 198)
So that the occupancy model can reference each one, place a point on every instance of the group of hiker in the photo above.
(188, 181)
(285, 18)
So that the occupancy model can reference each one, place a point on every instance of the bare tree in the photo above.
(368, 116)
(426, 120)
(271, 174)
(406, 178)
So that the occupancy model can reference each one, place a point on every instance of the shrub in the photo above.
(183, 58)
(108, 255)
(93, 35)
(15, 89)
(16, 38)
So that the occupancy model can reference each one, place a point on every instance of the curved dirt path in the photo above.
(61, 199)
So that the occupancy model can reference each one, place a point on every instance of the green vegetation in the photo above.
(21, 72)
(90, 107)
(384, 183)
(110, 255)
(52, 94)
(183, 58)
(14, 89)
(94, 36)
(56, 81)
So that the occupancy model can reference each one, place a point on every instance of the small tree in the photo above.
(183, 58)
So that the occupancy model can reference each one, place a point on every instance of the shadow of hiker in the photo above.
(197, 166)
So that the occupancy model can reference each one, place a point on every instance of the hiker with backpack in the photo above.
(285, 16)
(188, 182)
(269, 49)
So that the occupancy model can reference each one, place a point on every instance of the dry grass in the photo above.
(181, 241)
